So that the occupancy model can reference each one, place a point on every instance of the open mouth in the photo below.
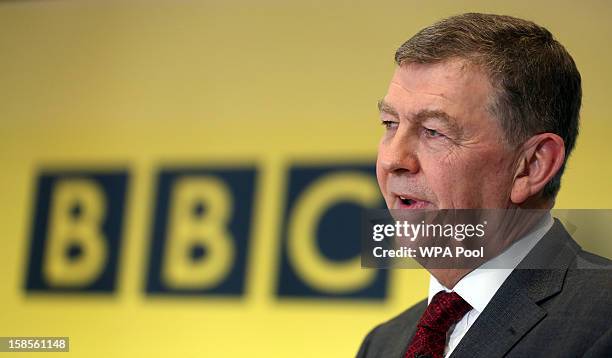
(411, 203)
(407, 201)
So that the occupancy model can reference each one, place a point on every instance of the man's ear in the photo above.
(541, 158)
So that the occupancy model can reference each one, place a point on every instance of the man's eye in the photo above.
(432, 133)
(389, 124)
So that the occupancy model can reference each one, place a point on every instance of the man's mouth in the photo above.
(407, 202)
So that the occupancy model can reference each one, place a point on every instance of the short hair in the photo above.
(537, 85)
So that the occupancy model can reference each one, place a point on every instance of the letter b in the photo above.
(201, 231)
(76, 231)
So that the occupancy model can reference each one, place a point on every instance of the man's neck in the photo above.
(449, 277)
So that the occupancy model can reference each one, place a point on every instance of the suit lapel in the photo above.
(508, 317)
(405, 333)
(514, 309)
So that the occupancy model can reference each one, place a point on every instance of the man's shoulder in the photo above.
(589, 271)
(579, 311)
(591, 276)
(403, 320)
(583, 271)
(588, 260)
(393, 335)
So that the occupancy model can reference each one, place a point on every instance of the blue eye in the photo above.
(432, 133)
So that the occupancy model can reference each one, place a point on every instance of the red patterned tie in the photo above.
(444, 310)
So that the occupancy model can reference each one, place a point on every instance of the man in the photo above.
(482, 112)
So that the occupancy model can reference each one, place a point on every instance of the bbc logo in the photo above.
(201, 232)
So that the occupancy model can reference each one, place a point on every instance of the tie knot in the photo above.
(444, 310)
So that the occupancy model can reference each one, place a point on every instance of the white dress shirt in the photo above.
(479, 286)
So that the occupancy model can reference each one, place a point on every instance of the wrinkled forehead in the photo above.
(455, 86)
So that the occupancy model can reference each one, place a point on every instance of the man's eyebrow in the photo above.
(387, 108)
(424, 115)
(447, 120)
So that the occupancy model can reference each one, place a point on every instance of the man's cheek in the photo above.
(382, 182)
(380, 177)
(452, 183)
(444, 151)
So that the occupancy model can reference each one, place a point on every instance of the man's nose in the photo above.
(399, 155)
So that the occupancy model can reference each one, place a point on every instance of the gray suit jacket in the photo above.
(564, 310)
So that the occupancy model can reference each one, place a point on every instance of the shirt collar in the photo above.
(480, 285)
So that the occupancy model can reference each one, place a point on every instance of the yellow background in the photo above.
(142, 83)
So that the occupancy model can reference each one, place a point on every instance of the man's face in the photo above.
(442, 148)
